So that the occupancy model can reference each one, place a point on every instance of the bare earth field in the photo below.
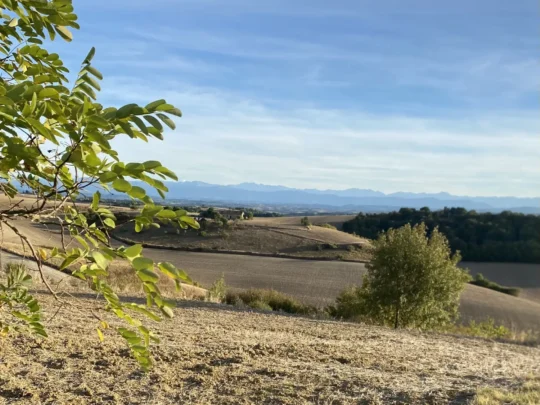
(319, 282)
(212, 354)
(267, 237)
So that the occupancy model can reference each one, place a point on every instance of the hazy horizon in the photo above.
(284, 186)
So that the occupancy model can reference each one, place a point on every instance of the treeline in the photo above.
(504, 237)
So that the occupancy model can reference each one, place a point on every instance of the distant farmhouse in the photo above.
(232, 214)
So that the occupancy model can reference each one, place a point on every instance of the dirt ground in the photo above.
(298, 241)
(319, 282)
(210, 354)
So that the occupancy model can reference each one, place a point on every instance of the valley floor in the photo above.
(212, 354)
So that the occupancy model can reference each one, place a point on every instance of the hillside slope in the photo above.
(214, 355)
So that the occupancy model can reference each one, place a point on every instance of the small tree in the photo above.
(305, 221)
(413, 280)
(249, 215)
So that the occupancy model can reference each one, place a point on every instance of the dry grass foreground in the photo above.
(216, 355)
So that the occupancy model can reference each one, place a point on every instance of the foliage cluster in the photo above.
(304, 221)
(481, 281)
(412, 281)
(58, 144)
(218, 290)
(486, 329)
(327, 226)
(504, 237)
(269, 300)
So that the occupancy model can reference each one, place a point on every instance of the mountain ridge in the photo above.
(351, 199)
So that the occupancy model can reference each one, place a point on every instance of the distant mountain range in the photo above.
(353, 200)
(350, 200)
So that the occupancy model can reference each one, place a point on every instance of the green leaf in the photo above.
(90, 81)
(170, 123)
(137, 192)
(99, 121)
(6, 101)
(90, 55)
(48, 92)
(140, 124)
(82, 241)
(174, 111)
(68, 260)
(147, 276)
(125, 111)
(100, 260)
(133, 251)
(107, 177)
(151, 164)
(95, 72)
(190, 221)
(168, 312)
(64, 33)
(13, 22)
(121, 185)
(166, 214)
(154, 122)
(109, 222)
(163, 170)
(164, 107)
(95, 200)
(153, 105)
(140, 263)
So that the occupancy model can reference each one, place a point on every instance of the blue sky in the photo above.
(393, 95)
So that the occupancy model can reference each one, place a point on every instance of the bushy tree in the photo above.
(412, 281)
(56, 143)
(305, 221)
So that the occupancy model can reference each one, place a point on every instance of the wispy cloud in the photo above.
(226, 138)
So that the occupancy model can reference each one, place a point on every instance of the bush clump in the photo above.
(481, 281)
(328, 226)
(305, 221)
(486, 329)
(218, 290)
(268, 300)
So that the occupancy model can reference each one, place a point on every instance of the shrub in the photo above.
(305, 221)
(349, 304)
(330, 246)
(203, 234)
(486, 329)
(481, 281)
(218, 290)
(272, 299)
(261, 305)
(328, 226)
(412, 281)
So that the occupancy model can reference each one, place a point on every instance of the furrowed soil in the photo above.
(319, 282)
(211, 354)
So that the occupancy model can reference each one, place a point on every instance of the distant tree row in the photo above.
(504, 237)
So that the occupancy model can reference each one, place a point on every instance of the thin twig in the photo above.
(34, 254)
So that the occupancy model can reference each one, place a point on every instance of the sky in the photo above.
(391, 95)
